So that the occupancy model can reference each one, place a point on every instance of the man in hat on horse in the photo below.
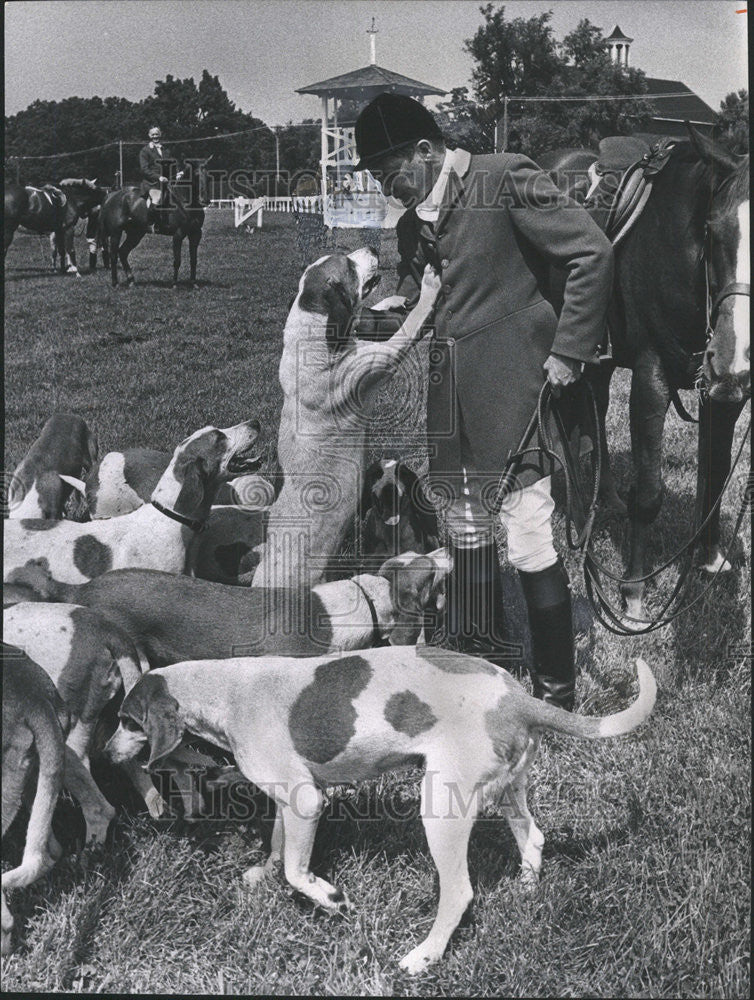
(492, 225)
(156, 163)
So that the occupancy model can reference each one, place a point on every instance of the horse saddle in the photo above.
(622, 181)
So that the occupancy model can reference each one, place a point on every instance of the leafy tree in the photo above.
(732, 122)
(521, 57)
(466, 123)
(182, 109)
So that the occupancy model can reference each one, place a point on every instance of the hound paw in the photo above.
(156, 805)
(419, 959)
(529, 877)
(252, 878)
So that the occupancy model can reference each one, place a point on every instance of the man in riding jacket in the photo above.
(156, 163)
(492, 226)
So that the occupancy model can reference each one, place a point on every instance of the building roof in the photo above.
(616, 35)
(367, 83)
(688, 107)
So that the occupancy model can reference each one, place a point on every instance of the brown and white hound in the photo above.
(297, 726)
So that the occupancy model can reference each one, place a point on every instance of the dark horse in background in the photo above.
(125, 211)
(679, 318)
(50, 209)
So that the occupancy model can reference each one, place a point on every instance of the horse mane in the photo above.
(733, 190)
(727, 193)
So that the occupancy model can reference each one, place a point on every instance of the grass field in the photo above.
(645, 884)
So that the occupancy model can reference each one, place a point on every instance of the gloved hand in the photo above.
(179, 175)
(562, 371)
(163, 180)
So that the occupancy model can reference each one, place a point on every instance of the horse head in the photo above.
(83, 194)
(200, 186)
(725, 368)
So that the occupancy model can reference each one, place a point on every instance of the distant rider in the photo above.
(156, 163)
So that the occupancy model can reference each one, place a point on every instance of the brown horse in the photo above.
(51, 209)
(680, 318)
(125, 211)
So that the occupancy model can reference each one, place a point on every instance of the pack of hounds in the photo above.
(197, 597)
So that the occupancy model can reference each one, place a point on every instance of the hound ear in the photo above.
(425, 511)
(442, 564)
(157, 712)
(339, 312)
(371, 476)
(409, 479)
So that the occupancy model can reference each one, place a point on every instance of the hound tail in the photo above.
(543, 716)
(77, 484)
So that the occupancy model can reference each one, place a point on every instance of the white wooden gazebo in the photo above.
(338, 152)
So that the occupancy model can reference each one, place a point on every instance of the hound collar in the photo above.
(377, 639)
(190, 522)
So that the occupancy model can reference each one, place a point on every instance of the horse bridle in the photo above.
(729, 290)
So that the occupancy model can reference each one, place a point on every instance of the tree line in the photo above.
(511, 58)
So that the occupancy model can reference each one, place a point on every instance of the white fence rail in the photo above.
(269, 204)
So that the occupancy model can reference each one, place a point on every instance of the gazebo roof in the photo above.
(367, 83)
(616, 35)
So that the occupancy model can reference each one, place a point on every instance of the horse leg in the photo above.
(60, 242)
(194, 239)
(70, 251)
(9, 231)
(650, 398)
(114, 241)
(177, 241)
(717, 422)
(131, 241)
(599, 379)
(54, 251)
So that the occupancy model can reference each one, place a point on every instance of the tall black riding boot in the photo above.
(92, 261)
(548, 599)
(473, 618)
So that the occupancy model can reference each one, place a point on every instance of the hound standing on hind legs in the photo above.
(329, 380)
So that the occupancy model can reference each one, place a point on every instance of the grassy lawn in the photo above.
(645, 883)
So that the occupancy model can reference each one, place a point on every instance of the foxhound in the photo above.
(35, 721)
(155, 536)
(65, 445)
(297, 726)
(172, 618)
(397, 515)
(329, 381)
(90, 660)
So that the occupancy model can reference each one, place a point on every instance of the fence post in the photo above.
(18, 170)
(120, 163)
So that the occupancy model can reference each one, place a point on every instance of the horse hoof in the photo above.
(636, 616)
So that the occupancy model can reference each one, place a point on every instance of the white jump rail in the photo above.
(244, 208)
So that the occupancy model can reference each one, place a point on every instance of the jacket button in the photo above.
(444, 262)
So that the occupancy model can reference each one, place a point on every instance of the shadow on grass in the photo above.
(34, 274)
